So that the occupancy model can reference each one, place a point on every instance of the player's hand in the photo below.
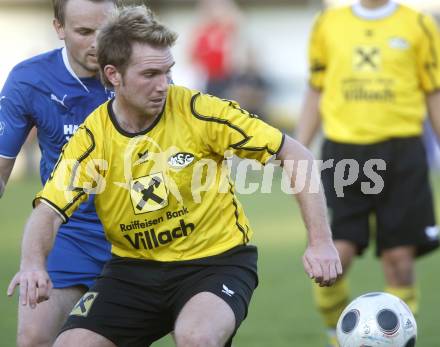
(321, 262)
(35, 287)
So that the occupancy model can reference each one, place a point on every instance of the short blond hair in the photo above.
(59, 8)
(129, 25)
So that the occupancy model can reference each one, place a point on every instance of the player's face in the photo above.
(82, 21)
(144, 85)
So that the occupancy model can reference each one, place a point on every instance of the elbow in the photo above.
(308, 155)
(295, 151)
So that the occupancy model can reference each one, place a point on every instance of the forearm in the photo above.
(313, 210)
(433, 101)
(309, 119)
(38, 238)
(320, 259)
(311, 198)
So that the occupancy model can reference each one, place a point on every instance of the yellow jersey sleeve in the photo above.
(75, 175)
(428, 54)
(227, 127)
(317, 54)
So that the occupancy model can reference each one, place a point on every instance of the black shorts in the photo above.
(136, 302)
(403, 208)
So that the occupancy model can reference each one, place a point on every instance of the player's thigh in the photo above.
(193, 327)
(82, 337)
(124, 312)
(40, 326)
(228, 288)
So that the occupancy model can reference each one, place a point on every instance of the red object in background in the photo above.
(212, 49)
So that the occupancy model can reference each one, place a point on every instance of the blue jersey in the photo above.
(45, 92)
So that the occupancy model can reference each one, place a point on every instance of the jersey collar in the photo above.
(126, 133)
(69, 68)
(377, 13)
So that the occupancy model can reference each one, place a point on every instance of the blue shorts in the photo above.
(79, 254)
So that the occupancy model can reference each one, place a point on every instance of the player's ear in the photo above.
(59, 28)
(113, 76)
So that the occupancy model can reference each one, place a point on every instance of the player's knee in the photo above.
(194, 338)
(33, 337)
(399, 255)
(347, 251)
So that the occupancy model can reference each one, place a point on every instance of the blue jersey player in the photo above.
(54, 92)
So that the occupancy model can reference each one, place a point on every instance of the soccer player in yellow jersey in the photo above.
(374, 73)
(180, 240)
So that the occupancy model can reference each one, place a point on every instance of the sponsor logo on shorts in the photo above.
(432, 232)
(2, 128)
(83, 306)
(227, 291)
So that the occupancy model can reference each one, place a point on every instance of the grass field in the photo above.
(281, 313)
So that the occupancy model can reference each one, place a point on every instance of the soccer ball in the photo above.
(376, 320)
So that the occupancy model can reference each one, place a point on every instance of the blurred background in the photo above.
(252, 51)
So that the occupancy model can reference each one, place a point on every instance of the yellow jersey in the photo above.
(373, 72)
(163, 194)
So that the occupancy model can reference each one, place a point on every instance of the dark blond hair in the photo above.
(59, 8)
(130, 24)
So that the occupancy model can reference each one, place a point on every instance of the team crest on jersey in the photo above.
(83, 306)
(149, 193)
(398, 43)
(366, 58)
(180, 160)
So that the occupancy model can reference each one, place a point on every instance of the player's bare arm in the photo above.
(321, 260)
(38, 238)
(6, 166)
(309, 119)
(433, 101)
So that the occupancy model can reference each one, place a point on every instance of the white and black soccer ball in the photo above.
(377, 320)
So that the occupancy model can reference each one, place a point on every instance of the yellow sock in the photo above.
(408, 294)
(332, 340)
(331, 301)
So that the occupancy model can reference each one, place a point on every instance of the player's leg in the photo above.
(38, 327)
(349, 219)
(332, 300)
(398, 266)
(72, 266)
(127, 305)
(212, 295)
(406, 222)
(87, 338)
(193, 328)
